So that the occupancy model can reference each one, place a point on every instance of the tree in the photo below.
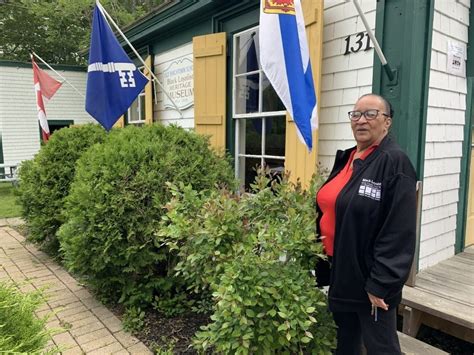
(58, 30)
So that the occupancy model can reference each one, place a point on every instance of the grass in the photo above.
(21, 331)
(8, 204)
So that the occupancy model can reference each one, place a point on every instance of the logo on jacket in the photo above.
(371, 189)
(279, 7)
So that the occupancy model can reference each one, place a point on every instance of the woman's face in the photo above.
(368, 132)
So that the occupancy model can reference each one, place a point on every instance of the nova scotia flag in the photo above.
(113, 81)
(284, 57)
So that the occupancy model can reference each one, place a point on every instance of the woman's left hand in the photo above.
(377, 302)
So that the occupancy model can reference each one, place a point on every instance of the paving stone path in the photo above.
(89, 327)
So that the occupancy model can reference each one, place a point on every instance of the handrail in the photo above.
(11, 175)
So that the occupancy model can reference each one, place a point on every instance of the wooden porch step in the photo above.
(450, 315)
(442, 298)
(438, 306)
(411, 345)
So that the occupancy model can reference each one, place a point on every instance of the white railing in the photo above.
(8, 172)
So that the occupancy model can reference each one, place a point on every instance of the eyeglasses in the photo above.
(369, 114)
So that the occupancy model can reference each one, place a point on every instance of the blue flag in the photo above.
(284, 56)
(113, 81)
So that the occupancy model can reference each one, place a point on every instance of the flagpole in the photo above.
(101, 8)
(383, 60)
(62, 77)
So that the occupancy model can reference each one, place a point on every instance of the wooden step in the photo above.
(411, 345)
(435, 304)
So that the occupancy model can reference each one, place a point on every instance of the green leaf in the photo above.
(247, 336)
(250, 313)
(305, 340)
(283, 315)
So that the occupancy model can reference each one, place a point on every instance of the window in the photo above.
(55, 125)
(136, 112)
(259, 115)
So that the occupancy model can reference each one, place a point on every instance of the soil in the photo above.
(160, 331)
(168, 333)
(176, 333)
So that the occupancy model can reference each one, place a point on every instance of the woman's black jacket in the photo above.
(374, 240)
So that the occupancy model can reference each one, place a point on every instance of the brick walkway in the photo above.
(89, 327)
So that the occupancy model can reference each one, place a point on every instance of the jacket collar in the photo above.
(342, 156)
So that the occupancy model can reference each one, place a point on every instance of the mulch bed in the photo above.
(160, 331)
(165, 333)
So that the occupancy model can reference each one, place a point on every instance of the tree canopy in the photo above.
(58, 30)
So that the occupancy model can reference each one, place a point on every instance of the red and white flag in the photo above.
(44, 86)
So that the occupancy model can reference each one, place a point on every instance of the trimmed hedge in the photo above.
(45, 181)
(116, 203)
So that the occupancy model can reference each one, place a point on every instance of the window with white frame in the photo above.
(259, 115)
(136, 112)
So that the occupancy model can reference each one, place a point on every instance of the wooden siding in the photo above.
(18, 118)
(344, 77)
(444, 136)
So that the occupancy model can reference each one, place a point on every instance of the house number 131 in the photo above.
(361, 40)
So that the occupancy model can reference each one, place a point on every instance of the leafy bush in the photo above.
(20, 330)
(171, 305)
(266, 307)
(116, 203)
(167, 349)
(133, 319)
(254, 252)
(207, 229)
(45, 181)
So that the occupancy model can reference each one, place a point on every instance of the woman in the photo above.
(367, 223)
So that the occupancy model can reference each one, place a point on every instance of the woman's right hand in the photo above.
(378, 302)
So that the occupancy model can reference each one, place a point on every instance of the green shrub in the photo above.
(20, 330)
(116, 203)
(208, 229)
(266, 307)
(45, 181)
(133, 319)
(254, 252)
